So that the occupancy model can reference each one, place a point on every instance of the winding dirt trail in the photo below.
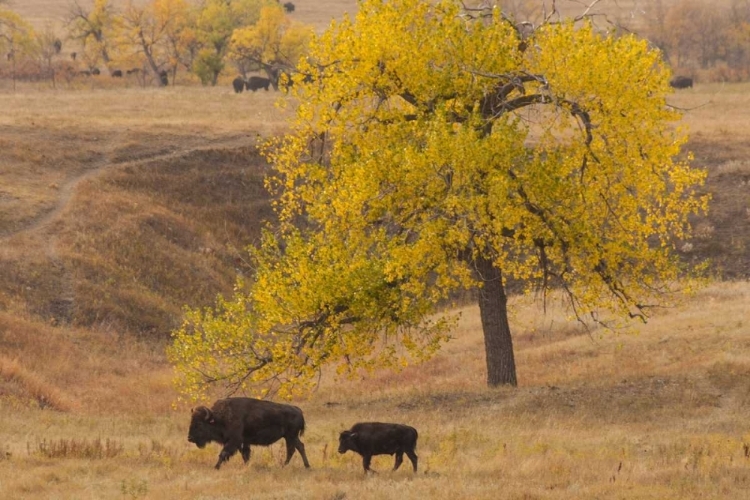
(67, 190)
(39, 235)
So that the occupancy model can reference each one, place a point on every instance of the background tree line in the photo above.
(709, 41)
(154, 40)
(207, 38)
(702, 39)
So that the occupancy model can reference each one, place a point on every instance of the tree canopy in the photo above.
(215, 24)
(156, 31)
(272, 43)
(437, 148)
(93, 28)
(15, 33)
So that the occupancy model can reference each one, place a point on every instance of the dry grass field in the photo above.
(120, 205)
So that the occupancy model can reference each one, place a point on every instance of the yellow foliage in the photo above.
(425, 137)
(16, 34)
(274, 39)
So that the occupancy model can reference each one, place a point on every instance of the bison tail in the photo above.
(302, 429)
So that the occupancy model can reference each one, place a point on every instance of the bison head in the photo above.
(348, 441)
(203, 427)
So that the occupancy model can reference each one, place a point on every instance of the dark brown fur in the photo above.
(376, 438)
(681, 82)
(257, 82)
(237, 423)
(238, 84)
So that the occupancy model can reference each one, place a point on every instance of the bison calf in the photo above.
(376, 438)
(237, 423)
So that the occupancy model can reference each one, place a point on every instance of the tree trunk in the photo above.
(493, 309)
(150, 59)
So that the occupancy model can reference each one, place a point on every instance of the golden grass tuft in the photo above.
(90, 449)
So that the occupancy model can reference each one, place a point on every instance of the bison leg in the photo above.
(366, 459)
(226, 453)
(399, 460)
(295, 444)
(413, 457)
(289, 450)
(245, 450)
(301, 449)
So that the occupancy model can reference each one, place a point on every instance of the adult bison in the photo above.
(238, 84)
(117, 73)
(376, 438)
(681, 82)
(257, 82)
(237, 423)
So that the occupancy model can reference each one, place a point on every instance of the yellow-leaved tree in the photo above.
(16, 39)
(215, 22)
(274, 43)
(434, 149)
(94, 28)
(154, 30)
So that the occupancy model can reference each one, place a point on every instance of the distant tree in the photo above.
(47, 47)
(655, 26)
(273, 42)
(436, 148)
(696, 33)
(739, 35)
(16, 39)
(149, 28)
(93, 28)
(207, 66)
(179, 36)
(215, 23)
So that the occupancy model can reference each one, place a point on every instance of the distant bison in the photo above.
(375, 438)
(117, 73)
(289, 7)
(681, 82)
(257, 82)
(163, 78)
(238, 84)
(237, 423)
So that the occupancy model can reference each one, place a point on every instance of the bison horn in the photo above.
(201, 410)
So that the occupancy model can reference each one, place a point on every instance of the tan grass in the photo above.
(655, 412)
(715, 109)
(77, 448)
(43, 394)
(210, 112)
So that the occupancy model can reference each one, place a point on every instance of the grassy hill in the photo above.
(120, 205)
